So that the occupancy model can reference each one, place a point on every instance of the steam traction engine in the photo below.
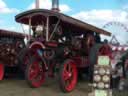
(10, 45)
(59, 44)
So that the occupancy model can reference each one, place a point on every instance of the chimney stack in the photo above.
(37, 4)
(55, 5)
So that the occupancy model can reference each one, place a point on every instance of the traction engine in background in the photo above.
(11, 43)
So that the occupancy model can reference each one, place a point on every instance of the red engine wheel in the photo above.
(1, 71)
(35, 74)
(68, 76)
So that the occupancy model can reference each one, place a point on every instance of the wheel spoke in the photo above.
(66, 75)
(69, 68)
(33, 73)
(34, 70)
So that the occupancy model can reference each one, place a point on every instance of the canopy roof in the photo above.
(40, 14)
(11, 34)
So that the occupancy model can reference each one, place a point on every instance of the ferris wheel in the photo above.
(119, 32)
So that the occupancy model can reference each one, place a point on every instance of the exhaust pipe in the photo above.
(37, 4)
(55, 5)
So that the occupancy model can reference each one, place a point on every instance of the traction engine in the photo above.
(11, 44)
(59, 46)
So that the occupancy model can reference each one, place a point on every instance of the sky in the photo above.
(96, 12)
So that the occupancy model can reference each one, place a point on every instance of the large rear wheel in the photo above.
(35, 74)
(68, 76)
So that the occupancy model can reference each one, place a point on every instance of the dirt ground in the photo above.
(50, 88)
(13, 87)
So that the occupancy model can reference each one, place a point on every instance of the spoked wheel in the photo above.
(1, 71)
(68, 76)
(35, 74)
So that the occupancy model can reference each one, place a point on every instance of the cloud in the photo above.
(4, 9)
(101, 17)
(65, 8)
(46, 4)
(11, 28)
(125, 7)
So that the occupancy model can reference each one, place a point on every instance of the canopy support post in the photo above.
(47, 29)
(29, 28)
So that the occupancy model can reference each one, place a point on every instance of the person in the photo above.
(98, 38)
(105, 41)
(117, 74)
(39, 30)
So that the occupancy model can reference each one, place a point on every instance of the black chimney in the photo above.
(55, 5)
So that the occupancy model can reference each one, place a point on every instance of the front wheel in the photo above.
(35, 74)
(68, 76)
